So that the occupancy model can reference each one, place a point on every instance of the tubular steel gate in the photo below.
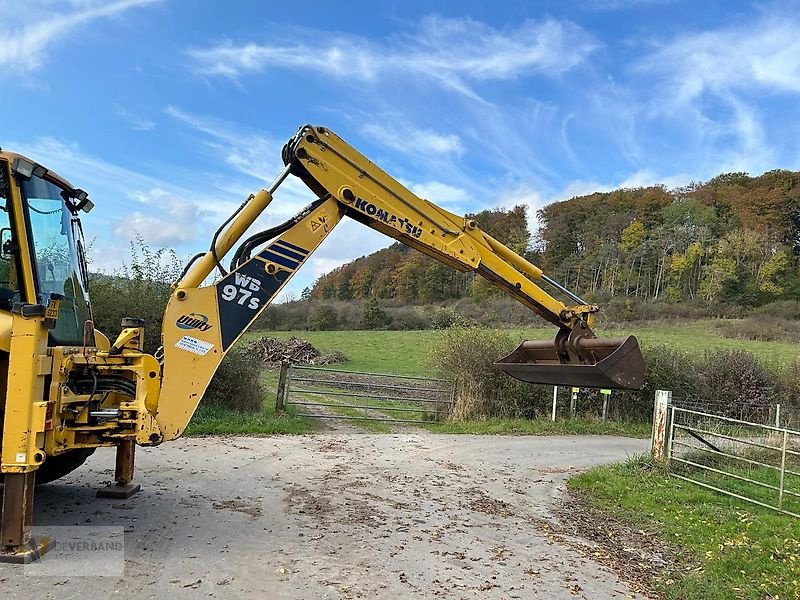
(324, 393)
(749, 461)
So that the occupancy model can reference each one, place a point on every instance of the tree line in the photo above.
(734, 239)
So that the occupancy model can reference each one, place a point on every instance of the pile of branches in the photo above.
(295, 351)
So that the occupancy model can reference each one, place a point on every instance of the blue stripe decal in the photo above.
(276, 258)
(285, 252)
(292, 246)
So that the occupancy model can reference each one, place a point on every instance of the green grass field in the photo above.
(405, 352)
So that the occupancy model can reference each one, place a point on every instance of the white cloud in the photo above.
(167, 220)
(136, 122)
(761, 54)
(129, 202)
(173, 230)
(411, 140)
(439, 193)
(525, 195)
(252, 154)
(28, 29)
(452, 52)
(714, 84)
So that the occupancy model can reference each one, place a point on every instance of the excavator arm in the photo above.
(202, 322)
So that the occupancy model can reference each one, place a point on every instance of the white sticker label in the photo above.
(20, 457)
(194, 345)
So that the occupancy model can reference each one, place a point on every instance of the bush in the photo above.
(407, 318)
(734, 376)
(237, 383)
(323, 318)
(781, 309)
(373, 316)
(443, 318)
(732, 382)
(464, 355)
(768, 329)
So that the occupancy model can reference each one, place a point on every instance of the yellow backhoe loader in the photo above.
(67, 389)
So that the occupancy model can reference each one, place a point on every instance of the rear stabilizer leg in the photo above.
(122, 488)
(17, 545)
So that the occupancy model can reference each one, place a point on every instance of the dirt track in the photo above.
(338, 516)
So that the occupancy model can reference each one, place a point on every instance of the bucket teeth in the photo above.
(595, 363)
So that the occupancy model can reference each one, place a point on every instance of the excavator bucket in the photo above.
(599, 363)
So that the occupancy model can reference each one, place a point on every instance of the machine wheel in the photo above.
(56, 467)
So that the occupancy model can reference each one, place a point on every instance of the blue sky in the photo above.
(169, 112)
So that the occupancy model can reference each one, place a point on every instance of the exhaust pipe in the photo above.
(584, 361)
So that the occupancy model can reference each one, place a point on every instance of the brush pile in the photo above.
(296, 351)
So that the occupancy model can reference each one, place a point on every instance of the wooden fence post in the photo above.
(661, 429)
(281, 395)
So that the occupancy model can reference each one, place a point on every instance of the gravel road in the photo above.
(339, 516)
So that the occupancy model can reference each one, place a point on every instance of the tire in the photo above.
(58, 466)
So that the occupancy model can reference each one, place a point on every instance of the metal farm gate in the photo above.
(749, 461)
(325, 393)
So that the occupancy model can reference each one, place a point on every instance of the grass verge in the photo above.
(541, 427)
(738, 550)
(214, 420)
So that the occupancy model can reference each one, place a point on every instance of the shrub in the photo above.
(726, 381)
(781, 309)
(766, 329)
(407, 318)
(443, 318)
(323, 318)
(237, 383)
(464, 355)
(373, 316)
(734, 376)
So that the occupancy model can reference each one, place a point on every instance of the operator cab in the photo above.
(42, 251)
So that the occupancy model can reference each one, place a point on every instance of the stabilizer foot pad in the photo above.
(119, 492)
(30, 552)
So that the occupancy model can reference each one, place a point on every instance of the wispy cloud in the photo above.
(136, 122)
(624, 4)
(251, 153)
(129, 201)
(452, 52)
(441, 193)
(165, 220)
(410, 140)
(755, 55)
(715, 82)
(28, 30)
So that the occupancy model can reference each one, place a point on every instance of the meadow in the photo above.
(406, 352)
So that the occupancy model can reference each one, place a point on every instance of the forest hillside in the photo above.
(734, 239)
